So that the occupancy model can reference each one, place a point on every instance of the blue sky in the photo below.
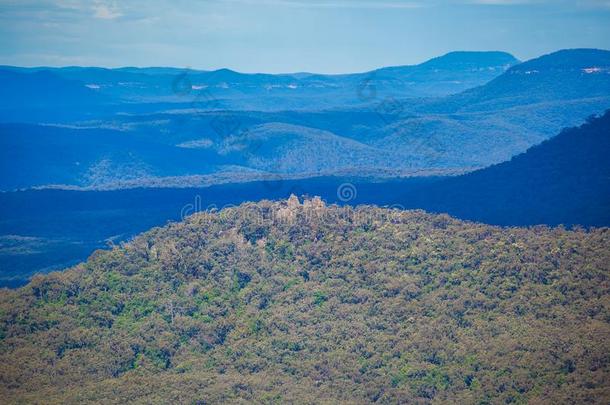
(327, 36)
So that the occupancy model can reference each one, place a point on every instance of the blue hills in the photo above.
(225, 126)
(563, 75)
(441, 76)
(91, 128)
(45, 90)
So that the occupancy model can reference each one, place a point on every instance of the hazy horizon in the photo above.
(240, 71)
(287, 36)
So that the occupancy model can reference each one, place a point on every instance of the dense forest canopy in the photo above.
(279, 302)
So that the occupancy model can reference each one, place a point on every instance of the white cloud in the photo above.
(335, 4)
(410, 4)
(604, 4)
(503, 2)
(106, 10)
(596, 3)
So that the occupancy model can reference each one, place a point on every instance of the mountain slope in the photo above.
(38, 155)
(473, 61)
(290, 149)
(43, 94)
(563, 180)
(564, 75)
(301, 303)
(44, 88)
(489, 124)
(441, 76)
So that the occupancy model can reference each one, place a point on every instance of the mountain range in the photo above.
(206, 136)
(447, 74)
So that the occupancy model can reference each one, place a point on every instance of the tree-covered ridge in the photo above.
(280, 302)
(564, 180)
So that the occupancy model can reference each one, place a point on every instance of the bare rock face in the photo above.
(293, 202)
(314, 203)
(288, 213)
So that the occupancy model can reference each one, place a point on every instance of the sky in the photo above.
(281, 36)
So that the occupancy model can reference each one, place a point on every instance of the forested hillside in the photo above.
(280, 302)
(564, 180)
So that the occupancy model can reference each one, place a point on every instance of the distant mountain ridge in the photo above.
(43, 89)
(567, 59)
(566, 74)
(472, 60)
(493, 122)
(447, 74)
(457, 60)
